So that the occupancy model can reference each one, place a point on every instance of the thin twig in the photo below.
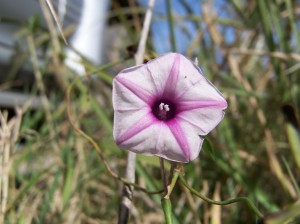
(49, 3)
(56, 45)
(139, 57)
(51, 27)
(163, 174)
(130, 170)
(172, 170)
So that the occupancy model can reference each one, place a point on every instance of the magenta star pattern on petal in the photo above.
(164, 108)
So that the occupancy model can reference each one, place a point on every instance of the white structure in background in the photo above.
(88, 37)
(88, 15)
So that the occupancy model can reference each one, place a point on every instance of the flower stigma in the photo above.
(164, 110)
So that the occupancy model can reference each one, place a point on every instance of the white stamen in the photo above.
(166, 107)
(163, 111)
(161, 106)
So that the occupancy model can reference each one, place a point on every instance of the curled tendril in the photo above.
(226, 202)
(95, 145)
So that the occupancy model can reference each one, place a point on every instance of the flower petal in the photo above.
(180, 137)
(173, 74)
(202, 90)
(160, 69)
(193, 140)
(125, 100)
(202, 121)
(136, 90)
(205, 110)
(142, 124)
(139, 81)
(157, 139)
(128, 107)
(172, 78)
(198, 104)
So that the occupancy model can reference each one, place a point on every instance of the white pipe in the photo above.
(88, 37)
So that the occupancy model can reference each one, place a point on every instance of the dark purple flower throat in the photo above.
(164, 109)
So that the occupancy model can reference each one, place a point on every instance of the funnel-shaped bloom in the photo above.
(164, 107)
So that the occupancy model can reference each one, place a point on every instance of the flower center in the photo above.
(164, 110)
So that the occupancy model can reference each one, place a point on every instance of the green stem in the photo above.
(230, 201)
(167, 208)
(165, 200)
(171, 25)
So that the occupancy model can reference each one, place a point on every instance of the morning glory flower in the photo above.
(165, 107)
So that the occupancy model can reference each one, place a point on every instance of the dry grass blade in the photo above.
(57, 49)
(216, 211)
(50, 5)
(9, 133)
(41, 87)
(235, 68)
(192, 205)
(261, 53)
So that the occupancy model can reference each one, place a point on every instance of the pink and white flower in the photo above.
(164, 107)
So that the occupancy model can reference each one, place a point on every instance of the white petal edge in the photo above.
(157, 140)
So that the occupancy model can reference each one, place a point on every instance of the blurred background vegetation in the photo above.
(248, 49)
